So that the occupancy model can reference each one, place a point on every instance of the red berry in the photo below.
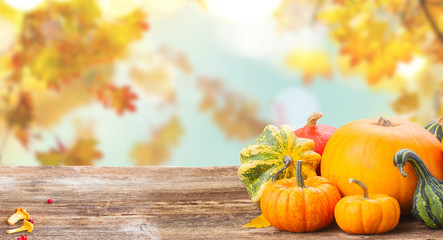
(31, 221)
(50, 201)
(24, 238)
(19, 238)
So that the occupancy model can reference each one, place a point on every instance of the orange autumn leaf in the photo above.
(51, 108)
(158, 150)
(236, 116)
(20, 117)
(120, 99)
(258, 222)
(82, 152)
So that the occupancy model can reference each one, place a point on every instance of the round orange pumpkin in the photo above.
(364, 149)
(367, 214)
(298, 205)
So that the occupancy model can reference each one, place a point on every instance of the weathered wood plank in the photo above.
(147, 203)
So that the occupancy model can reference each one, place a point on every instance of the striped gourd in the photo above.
(270, 155)
(427, 204)
(436, 128)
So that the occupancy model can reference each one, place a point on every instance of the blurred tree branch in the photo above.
(431, 20)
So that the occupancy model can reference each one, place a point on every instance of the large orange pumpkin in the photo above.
(364, 150)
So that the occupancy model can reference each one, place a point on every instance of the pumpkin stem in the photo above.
(365, 189)
(299, 174)
(287, 160)
(384, 122)
(312, 120)
(440, 121)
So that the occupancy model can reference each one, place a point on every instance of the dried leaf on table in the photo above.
(258, 222)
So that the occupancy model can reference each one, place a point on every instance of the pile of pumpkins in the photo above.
(383, 168)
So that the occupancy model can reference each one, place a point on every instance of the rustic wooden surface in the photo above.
(148, 203)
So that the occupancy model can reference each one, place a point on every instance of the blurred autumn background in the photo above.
(191, 82)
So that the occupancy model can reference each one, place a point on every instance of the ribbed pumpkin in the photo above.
(367, 214)
(427, 205)
(436, 128)
(272, 152)
(296, 205)
(363, 149)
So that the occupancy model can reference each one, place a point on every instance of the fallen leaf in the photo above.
(258, 222)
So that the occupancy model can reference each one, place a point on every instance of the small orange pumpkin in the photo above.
(298, 205)
(367, 214)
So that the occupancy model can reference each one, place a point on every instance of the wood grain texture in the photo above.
(148, 203)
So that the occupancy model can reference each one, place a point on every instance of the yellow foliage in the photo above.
(64, 46)
(369, 41)
(10, 14)
(310, 62)
(82, 152)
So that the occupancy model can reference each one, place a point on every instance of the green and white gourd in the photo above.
(274, 151)
(436, 128)
(427, 204)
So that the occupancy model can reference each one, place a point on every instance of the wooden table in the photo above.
(147, 203)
